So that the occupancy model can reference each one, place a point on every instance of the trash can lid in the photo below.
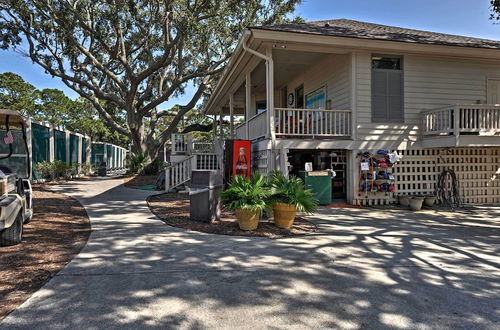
(205, 179)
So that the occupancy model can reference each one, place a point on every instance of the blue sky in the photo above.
(462, 17)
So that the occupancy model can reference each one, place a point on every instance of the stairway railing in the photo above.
(179, 173)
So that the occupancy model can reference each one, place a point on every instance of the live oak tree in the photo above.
(495, 10)
(135, 54)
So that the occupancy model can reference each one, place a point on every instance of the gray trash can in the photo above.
(102, 170)
(204, 195)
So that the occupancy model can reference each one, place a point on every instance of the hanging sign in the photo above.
(365, 166)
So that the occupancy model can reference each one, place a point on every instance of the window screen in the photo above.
(387, 89)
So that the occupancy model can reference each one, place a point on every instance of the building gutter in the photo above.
(269, 92)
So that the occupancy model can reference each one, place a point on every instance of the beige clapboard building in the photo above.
(327, 92)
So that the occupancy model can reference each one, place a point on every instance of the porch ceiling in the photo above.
(287, 65)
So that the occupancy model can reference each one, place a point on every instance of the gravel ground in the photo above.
(58, 231)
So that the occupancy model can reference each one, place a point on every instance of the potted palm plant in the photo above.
(247, 197)
(289, 195)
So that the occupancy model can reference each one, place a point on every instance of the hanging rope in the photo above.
(448, 189)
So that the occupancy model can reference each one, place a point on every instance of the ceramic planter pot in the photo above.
(404, 201)
(284, 215)
(248, 220)
(430, 201)
(416, 203)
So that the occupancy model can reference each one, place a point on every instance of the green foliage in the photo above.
(86, 169)
(44, 170)
(54, 170)
(153, 168)
(16, 94)
(244, 193)
(129, 57)
(53, 106)
(291, 191)
(136, 163)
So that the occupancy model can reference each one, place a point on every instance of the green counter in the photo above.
(320, 182)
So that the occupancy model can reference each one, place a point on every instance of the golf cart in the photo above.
(16, 206)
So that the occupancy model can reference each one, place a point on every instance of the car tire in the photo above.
(14, 234)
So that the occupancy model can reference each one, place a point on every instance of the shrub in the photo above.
(244, 193)
(291, 190)
(54, 170)
(152, 168)
(136, 163)
(86, 168)
(44, 170)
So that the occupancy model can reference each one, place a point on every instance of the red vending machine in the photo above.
(237, 159)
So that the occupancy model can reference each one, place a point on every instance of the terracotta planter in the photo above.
(404, 201)
(416, 203)
(284, 215)
(248, 220)
(430, 201)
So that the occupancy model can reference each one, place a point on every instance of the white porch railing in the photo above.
(180, 143)
(257, 126)
(200, 147)
(184, 144)
(307, 122)
(178, 173)
(240, 131)
(462, 118)
(206, 161)
(300, 123)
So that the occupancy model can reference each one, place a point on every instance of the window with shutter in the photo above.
(387, 89)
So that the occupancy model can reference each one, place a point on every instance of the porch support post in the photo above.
(231, 115)
(270, 104)
(221, 121)
(354, 126)
(248, 102)
(456, 124)
(214, 127)
(352, 177)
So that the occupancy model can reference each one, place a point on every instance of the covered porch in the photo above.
(310, 88)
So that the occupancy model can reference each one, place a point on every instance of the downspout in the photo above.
(269, 93)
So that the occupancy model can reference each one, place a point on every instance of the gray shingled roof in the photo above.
(362, 30)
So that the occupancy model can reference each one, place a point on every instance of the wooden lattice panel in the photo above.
(477, 169)
(417, 173)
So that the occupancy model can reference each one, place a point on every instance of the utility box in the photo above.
(320, 182)
(204, 192)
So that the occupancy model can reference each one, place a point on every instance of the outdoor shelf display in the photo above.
(376, 173)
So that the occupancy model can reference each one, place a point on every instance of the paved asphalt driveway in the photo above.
(363, 269)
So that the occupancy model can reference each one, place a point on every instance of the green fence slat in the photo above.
(60, 145)
(108, 155)
(84, 150)
(97, 155)
(40, 137)
(73, 148)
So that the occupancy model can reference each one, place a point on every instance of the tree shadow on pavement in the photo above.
(364, 268)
